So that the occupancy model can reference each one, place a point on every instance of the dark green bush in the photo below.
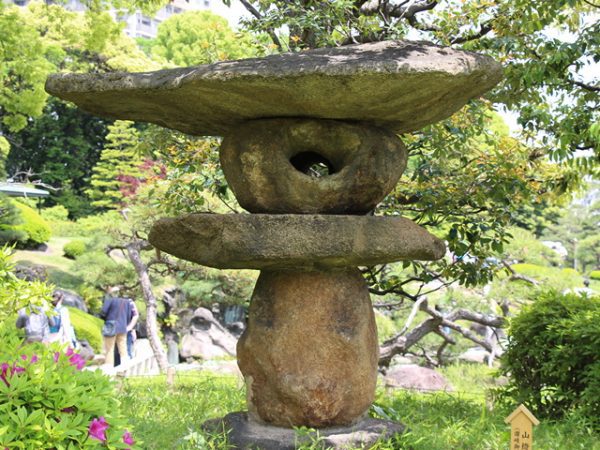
(553, 357)
(73, 249)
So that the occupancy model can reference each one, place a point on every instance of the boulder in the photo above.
(311, 166)
(295, 242)
(207, 338)
(399, 85)
(309, 354)
(415, 377)
(73, 300)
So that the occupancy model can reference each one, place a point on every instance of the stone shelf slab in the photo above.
(293, 241)
(399, 85)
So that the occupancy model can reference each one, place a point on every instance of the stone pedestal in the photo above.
(309, 354)
(244, 434)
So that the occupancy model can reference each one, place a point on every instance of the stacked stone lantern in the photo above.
(310, 148)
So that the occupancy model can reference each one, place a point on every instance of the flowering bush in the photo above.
(47, 400)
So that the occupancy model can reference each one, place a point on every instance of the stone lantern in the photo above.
(310, 148)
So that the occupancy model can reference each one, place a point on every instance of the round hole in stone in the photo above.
(312, 164)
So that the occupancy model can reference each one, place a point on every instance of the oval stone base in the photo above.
(243, 433)
(309, 354)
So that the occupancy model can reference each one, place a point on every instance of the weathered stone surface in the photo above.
(244, 433)
(412, 376)
(267, 164)
(309, 355)
(400, 85)
(206, 337)
(288, 241)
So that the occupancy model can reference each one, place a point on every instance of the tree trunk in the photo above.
(133, 251)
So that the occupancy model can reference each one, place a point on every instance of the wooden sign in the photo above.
(521, 423)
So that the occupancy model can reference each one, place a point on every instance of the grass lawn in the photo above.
(171, 418)
(58, 267)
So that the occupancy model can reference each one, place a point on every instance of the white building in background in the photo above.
(139, 25)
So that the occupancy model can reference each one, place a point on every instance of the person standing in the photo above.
(131, 334)
(116, 312)
(62, 330)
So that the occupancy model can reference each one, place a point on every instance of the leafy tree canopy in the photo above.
(200, 37)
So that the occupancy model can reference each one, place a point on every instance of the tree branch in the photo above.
(270, 31)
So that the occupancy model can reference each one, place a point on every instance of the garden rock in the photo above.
(207, 338)
(415, 377)
(73, 300)
(293, 241)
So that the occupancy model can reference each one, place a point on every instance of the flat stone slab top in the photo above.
(247, 434)
(399, 85)
(293, 241)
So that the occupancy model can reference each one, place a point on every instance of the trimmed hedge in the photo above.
(37, 231)
(87, 327)
(595, 275)
(73, 249)
(552, 357)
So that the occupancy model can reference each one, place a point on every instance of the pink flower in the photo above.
(70, 351)
(4, 373)
(128, 438)
(56, 356)
(24, 357)
(77, 360)
(97, 429)
(34, 358)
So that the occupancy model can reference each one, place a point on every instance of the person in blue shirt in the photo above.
(116, 312)
(61, 331)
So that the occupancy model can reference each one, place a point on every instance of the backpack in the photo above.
(57, 321)
(36, 325)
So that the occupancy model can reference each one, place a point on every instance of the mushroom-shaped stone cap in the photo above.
(399, 85)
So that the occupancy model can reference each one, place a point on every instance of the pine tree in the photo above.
(118, 161)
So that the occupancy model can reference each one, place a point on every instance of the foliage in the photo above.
(543, 46)
(43, 38)
(525, 248)
(36, 230)
(16, 293)
(48, 402)
(87, 327)
(199, 37)
(552, 356)
(62, 146)
(73, 249)
(595, 274)
(118, 159)
(100, 271)
(10, 218)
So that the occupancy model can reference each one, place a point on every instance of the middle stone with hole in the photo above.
(306, 166)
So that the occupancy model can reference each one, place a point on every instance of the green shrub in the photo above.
(73, 249)
(36, 230)
(595, 275)
(552, 356)
(56, 213)
(48, 402)
(87, 327)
